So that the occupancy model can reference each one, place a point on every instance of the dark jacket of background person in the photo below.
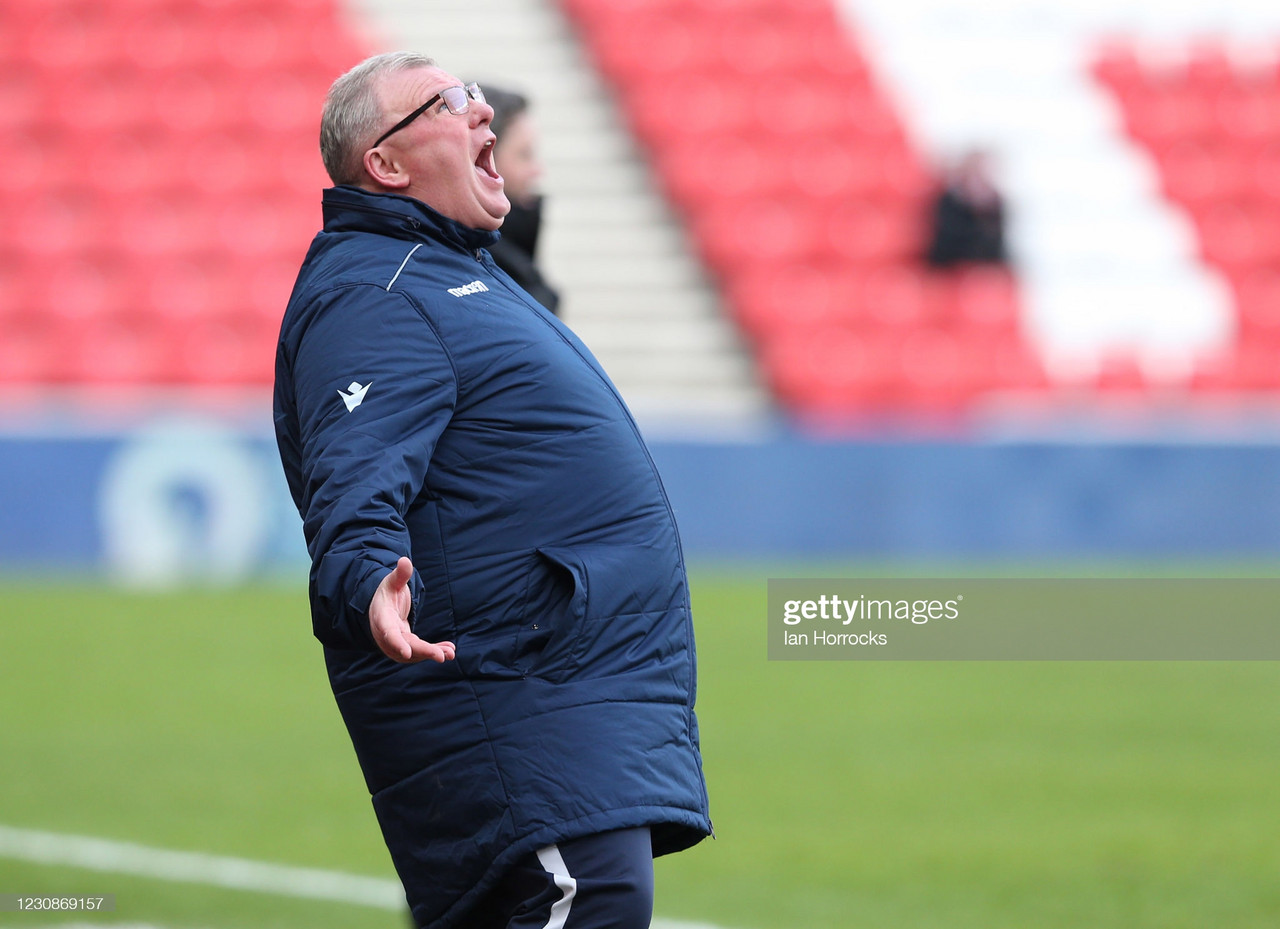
(517, 251)
(491, 448)
(968, 217)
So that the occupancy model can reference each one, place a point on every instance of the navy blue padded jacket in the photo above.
(426, 406)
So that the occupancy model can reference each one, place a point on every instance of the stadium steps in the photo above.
(631, 284)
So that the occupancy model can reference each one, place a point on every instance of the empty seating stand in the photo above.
(1212, 126)
(162, 186)
(808, 203)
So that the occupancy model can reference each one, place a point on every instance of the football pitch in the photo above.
(918, 795)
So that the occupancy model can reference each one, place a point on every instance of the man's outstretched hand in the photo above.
(389, 621)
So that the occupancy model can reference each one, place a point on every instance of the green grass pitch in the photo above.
(929, 795)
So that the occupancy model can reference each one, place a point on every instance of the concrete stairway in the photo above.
(631, 287)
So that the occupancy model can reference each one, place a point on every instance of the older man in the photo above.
(496, 573)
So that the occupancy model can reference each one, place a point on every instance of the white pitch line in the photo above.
(82, 851)
(195, 868)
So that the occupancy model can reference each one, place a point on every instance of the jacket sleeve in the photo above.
(374, 389)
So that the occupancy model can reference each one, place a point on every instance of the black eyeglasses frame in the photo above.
(470, 92)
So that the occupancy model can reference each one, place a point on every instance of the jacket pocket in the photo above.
(589, 608)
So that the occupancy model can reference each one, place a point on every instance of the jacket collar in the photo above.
(351, 209)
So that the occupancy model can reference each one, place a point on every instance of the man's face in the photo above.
(518, 159)
(448, 159)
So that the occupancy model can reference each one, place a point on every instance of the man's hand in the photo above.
(389, 621)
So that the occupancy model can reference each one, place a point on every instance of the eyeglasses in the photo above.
(457, 99)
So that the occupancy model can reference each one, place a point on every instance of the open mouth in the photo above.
(484, 161)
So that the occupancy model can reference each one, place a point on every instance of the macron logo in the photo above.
(354, 394)
(475, 287)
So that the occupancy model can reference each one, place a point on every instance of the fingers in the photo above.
(388, 621)
(407, 648)
(433, 651)
(392, 642)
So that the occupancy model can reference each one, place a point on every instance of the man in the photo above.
(967, 216)
(516, 154)
(496, 573)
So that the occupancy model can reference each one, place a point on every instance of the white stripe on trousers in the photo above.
(550, 859)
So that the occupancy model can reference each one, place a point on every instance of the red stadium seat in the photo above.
(236, 349)
(55, 222)
(24, 97)
(81, 289)
(901, 297)
(120, 351)
(1264, 174)
(174, 130)
(1258, 300)
(983, 300)
(1173, 116)
(1249, 115)
(184, 289)
(32, 350)
(835, 373)
(754, 232)
(1120, 372)
(1118, 68)
(1239, 238)
(796, 297)
(868, 232)
(160, 223)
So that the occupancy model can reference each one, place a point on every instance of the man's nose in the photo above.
(481, 114)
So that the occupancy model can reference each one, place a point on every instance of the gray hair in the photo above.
(352, 112)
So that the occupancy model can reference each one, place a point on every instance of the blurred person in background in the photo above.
(967, 215)
(497, 577)
(516, 154)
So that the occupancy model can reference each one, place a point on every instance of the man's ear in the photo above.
(385, 170)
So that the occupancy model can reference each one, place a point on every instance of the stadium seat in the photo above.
(1264, 174)
(1117, 67)
(33, 351)
(834, 373)
(942, 372)
(1257, 296)
(82, 289)
(1188, 174)
(706, 168)
(900, 298)
(796, 298)
(982, 300)
(23, 97)
(1238, 238)
(184, 289)
(189, 204)
(120, 351)
(1171, 117)
(755, 231)
(1249, 115)
(1120, 373)
(226, 350)
(159, 223)
(867, 232)
(57, 222)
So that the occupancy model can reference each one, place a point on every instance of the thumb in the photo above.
(398, 579)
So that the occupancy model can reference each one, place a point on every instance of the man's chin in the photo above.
(498, 214)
